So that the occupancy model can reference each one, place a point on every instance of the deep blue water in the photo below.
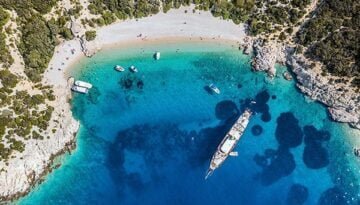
(147, 138)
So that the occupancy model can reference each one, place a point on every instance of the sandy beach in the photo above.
(174, 25)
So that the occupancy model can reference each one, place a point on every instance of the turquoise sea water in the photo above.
(147, 138)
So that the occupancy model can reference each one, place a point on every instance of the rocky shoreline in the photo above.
(341, 99)
(342, 103)
(33, 178)
(28, 168)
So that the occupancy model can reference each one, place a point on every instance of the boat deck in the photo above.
(230, 140)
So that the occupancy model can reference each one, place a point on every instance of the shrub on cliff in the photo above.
(90, 35)
(37, 45)
(333, 37)
(8, 79)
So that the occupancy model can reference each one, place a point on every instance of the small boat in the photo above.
(119, 68)
(214, 89)
(228, 144)
(83, 84)
(133, 69)
(357, 152)
(157, 55)
(79, 89)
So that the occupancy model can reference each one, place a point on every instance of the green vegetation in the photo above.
(8, 79)
(37, 47)
(39, 37)
(332, 36)
(123, 9)
(90, 35)
(277, 15)
(5, 57)
(27, 116)
(23, 8)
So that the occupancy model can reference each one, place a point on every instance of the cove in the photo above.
(147, 137)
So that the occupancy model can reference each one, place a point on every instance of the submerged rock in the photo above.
(315, 156)
(281, 164)
(226, 109)
(287, 76)
(288, 132)
(332, 196)
(297, 195)
(140, 84)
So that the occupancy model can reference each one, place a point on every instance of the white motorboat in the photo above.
(119, 68)
(133, 69)
(83, 84)
(157, 55)
(214, 89)
(79, 89)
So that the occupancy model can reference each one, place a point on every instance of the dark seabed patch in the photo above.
(226, 109)
(259, 105)
(140, 84)
(280, 163)
(288, 132)
(126, 83)
(131, 81)
(315, 156)
(158, 146)
(332, 196)
(275, 164)
(297, 195)
(263, 97)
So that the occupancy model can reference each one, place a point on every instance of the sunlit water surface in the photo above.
(147, 138)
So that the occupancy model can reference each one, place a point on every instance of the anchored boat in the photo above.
(133, 69)
(79, 89)
(157, 55)
(119, 68)
(229, 142)
(214, 89)
(83, 84)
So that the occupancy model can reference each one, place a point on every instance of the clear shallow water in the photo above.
(147, 138)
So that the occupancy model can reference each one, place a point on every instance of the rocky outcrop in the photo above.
(287, 76)
(75, 28)
(266, 55)
(343, 115)
(343, 105)
(23, 171)
(89, 48)
(84, 47)
(246, 45)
